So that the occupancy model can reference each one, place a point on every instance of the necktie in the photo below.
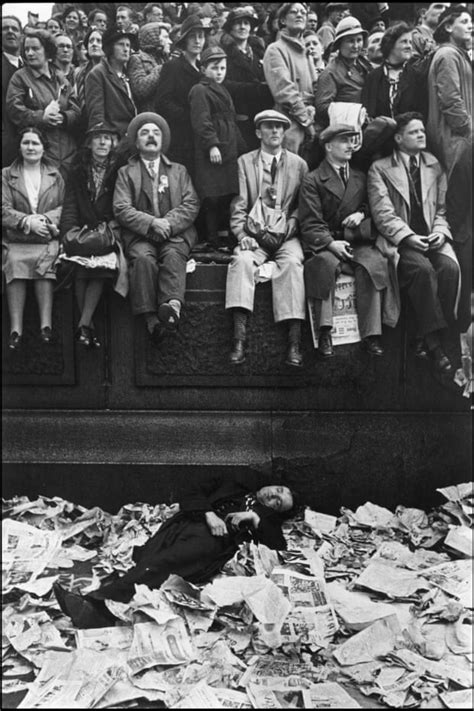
(415, 176)
(273, 169)
(151, 168)
(342, 173)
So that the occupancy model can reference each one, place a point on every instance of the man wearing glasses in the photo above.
(291, 76)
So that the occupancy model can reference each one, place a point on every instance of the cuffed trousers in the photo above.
(157, 274)
(288, 292)
(430, 280)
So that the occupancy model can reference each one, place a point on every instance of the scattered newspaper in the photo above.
(154, 645)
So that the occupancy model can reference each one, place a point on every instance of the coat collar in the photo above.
(16, 168)
(294, 42)
(397, 174)
(334, 184)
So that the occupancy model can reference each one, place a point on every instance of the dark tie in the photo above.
(415, 176)
(342, 173)
(273, 169)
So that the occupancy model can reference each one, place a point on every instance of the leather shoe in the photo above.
(372, 345)
(325, 346)
(157, 333)
(84, 613)
(237, 354)
(46, 335)
(168, 317)
(294, 356)
(420, 349)
(14, 341)
(441, 361)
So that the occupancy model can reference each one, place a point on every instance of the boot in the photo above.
(293, 355)
(237, 354)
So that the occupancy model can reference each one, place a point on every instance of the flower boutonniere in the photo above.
(163, 184)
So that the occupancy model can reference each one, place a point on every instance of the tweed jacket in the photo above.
(15, 202)
(294, 170)
(291, 77)
(133, 203)
(107, 99)
(389, 199)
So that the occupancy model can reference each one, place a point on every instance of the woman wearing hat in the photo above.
(88, 201)
(344, 77)
(145, 66)
(107, 90)
(449, 127)
(245, 64)
(176, 81)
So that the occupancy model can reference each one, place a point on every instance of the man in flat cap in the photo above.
(156, 204)
(335, 231)
(264, 221)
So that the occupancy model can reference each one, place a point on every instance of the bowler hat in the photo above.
(114, 34)
(192, 22)
(102, 127)
(338, 129)
(149, 117)
(347, 27)
(271, 115)
(240, 13)
(211, 54)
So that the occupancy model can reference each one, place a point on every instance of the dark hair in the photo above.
(391, 36)
(334, 7)
(403, 120)
(33, 129)
(46, 40)
(54, 19)
(12, 17)
(285, 9)
(92, 15)
(149, 7)
(68, 11)
(440, 34)
(312, 33)
(87, 37)
(125, 7)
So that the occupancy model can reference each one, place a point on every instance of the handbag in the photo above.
(90, 242)
(267, 224)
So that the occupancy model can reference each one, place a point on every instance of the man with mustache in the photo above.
(156, 205)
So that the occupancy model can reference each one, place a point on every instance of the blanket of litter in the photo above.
(373, 605)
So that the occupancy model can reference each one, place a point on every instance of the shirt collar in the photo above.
(38, 74)
(156, 164)
(14, 59)
(406, 158)
(336, 166)
(267, 158)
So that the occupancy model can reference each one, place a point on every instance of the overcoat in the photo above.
(339, 82)
(389, 199)
(185, 546)
(449, 104)
(28, 95)
(8, 127)
(214, 123)
(107, 99)
(144, 72)
(177, 78)
(293, 169)
(81, 209)
(324, 203)
(133, 204)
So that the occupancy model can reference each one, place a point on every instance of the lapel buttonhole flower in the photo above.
(163, 185)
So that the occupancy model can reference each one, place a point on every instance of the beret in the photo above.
(149, 117)
(271, 115)
(338, 129)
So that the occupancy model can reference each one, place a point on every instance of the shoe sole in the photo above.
(293, 365)
(326, 355)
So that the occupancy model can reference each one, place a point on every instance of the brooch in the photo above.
(163, 184)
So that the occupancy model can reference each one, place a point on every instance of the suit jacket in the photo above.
(389, 199)
(294, 169)
(133, 202)
(107, 100)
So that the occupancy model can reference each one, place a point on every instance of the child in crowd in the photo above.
(218, 143)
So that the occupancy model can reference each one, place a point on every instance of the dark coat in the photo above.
(324, 204)
(133, 204)
(459, 214)
(339, 83)
(214, 124)
(177, 78)
(375, 94)
(185, 546)
(107, 100)
(9, 140)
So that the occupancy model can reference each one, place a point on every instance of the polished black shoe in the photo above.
(441, 361)
(46, 335)
(420, 350)
(294, 356)
(168, 317)
(83, 336)
(84, 613)
(95, 343)
(325, 347)
(237, 354)
(14, 341)
(372, 345)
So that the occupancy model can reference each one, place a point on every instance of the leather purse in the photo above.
(90, 242)
(267, 224)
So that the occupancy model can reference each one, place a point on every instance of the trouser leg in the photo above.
(369, 303)
(143, 275)
(240, 283)
(288, 292)
(172, 271)
(447, 273)
(418, 278)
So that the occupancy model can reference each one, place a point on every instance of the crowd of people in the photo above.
(322, 138)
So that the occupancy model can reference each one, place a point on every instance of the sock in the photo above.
(240, 324)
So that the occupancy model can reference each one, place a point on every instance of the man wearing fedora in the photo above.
(291, 75)
(273, 175)
(108, 97)
(156, 205)
(333, 214)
